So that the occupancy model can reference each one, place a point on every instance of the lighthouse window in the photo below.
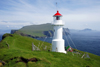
(57, 18)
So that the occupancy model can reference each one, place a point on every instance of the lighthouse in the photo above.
(57, 41)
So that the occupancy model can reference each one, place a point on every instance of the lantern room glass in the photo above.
(57, 18)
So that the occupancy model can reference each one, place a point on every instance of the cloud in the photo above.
(13, 25)
(76, 13)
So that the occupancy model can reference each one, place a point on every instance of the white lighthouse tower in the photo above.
(58, 42)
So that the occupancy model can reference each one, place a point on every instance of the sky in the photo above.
(77, 14)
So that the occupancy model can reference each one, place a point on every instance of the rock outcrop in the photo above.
(48, 33)
(13, 31)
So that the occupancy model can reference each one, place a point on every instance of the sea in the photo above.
(84, 41)
(81, 40)
(1, 37)
(2, 32)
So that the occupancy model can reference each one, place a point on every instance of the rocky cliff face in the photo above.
(13, 31)
(48, 33)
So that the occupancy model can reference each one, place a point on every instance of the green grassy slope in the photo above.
(20, 46)
(36, 30)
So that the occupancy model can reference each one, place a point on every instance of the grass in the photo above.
(20, 46)
(35, 30)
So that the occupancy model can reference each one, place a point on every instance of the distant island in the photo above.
(87, 29)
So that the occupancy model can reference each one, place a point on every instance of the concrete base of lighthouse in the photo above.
(58, 45)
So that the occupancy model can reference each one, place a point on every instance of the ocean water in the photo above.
(1, 37)
(84, 41)
(2, 32)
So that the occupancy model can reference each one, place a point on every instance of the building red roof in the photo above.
(57, 14)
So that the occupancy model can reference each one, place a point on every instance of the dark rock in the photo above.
(48, 50)
(24, 59)
(11, 59)
(33, 59)
(3, 63)
(27, 60)
(5, 35)
(48, 33)
(13, 31)
(87, 66)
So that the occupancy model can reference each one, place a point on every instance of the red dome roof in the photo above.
(57, 14)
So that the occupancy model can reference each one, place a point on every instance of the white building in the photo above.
(58, 42)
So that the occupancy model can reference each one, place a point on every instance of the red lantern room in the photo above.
(57, 16)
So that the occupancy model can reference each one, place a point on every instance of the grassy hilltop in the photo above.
(19, 54)
(36, 30)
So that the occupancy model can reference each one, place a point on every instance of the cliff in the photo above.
(13, 31)
(35, 31)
